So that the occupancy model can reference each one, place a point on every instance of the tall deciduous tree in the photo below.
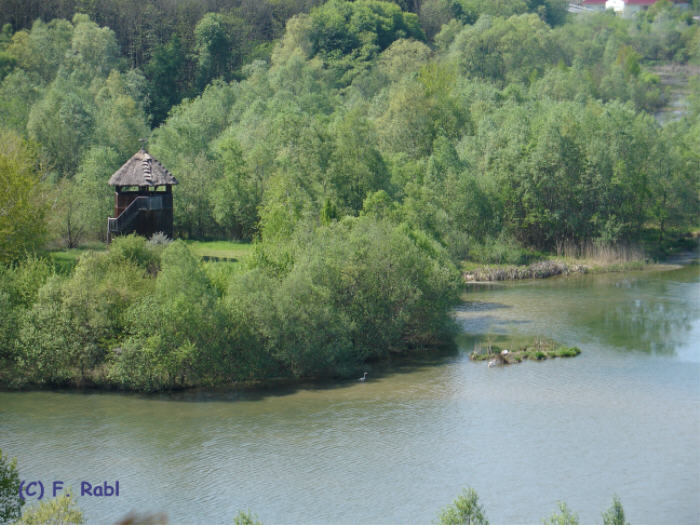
(21, 205)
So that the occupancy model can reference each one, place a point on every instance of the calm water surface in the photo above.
(622, 418)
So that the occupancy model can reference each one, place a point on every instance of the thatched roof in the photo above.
(142, 170)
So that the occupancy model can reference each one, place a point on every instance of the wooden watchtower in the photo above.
(143, 198)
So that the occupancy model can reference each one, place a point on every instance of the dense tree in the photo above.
(515, 49)
(62, 124)
(213, 48)
(567, 172)
(166, 82)
(21, 203)
(41, 50)
(175, 330)
(347, 35)
(237, 195)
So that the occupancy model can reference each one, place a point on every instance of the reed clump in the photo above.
(571, 258)
(599, 254)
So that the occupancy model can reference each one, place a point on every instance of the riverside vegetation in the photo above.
(365, 148)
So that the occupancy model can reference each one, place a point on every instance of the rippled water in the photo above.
(622, 418)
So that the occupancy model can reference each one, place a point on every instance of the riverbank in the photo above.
(98, 381)
(545, 269)
(652, 253)
(474, 273)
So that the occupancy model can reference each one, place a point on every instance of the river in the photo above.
(622, 418)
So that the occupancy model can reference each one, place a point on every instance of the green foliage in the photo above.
(42, 49)
(505, 50)
(615, 515)
(68, 91)
(465, 510)
(349, 291)
(62, 510)
(120, 118)
(401, 58)
(135, 250)
(348, 34)
(23, 280)
(238, 193)
(164, 73)
(473, 9)
(246, 518)
(19, 285)
(468, 142)
(357, 167)
(317, 305)
(435, 113)
(435, 13)
(19, 90)
(62, 123)
(94, 50)
(564, 517)
(566, 171)
(219, 43)
(21, 207)
(67, 333)
(79, 206)
(10, 502)
(174, 330)
(501, 250)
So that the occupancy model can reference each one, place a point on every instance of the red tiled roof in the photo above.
(650, 2)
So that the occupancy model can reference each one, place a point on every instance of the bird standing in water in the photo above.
(363, 378)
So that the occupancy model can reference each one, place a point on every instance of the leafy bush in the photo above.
(10, 502)
(465, 510)
(615, 515)
(564, 517)
(501, 251)
(61, 510)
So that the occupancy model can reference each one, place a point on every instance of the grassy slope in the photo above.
(229, 251)
(221, 249)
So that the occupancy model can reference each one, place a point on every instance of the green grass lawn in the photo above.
(65, 260)
(221, 249)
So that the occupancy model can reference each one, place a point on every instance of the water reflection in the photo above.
(652, 312)
(396, 449)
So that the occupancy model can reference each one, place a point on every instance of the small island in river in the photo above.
(539, 350)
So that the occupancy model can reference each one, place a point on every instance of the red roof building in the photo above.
(624, 7)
